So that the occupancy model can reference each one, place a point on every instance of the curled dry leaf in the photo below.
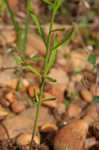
(17, 106)
(31, 90)
(87, 95)
(48, 127)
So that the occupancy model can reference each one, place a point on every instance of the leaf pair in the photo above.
(37, 100)
(29, 67)
(54, 49)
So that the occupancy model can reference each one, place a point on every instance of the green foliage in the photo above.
(85, 20)
(72, 95)
(21, 42)
(95, 100)
(20, 84)
(49, 99)
(66, 103)
(92, 59)
(51, 50)
(50, 79)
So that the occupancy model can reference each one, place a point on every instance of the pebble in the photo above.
(11, 97)
(87, 95)
(73, 111)
(72, 136)
(17, 106)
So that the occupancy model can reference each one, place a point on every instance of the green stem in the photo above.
(37, 111)
(48, 43)
(43, 76)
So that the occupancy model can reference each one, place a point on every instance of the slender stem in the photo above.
(43, 77)
(37, 112)
(48, 42)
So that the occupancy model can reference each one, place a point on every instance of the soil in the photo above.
(76, 82)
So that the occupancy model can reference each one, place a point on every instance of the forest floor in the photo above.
(71, 120)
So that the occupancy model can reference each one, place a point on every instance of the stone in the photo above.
(8, 79)
(93, 111)
(17, 106)
(11, 97)
(7, 36)
(33, 48)
(23, 123)
(60, 76)
(4, 102)
(78, 59)
(72, 136)
(3, 113)
(96, 129)
(57, 92)
(51, 104)
(73, 111)
(48, 128)
(86, 95)
(25, 139)
(94, 90)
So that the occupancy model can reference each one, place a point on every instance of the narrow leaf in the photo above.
(26, 31)
(53, 55)
(97, 65)
(31, 69)
(58, 4)
(95, 100)
(51, 79)
(16, 25)
(67, 38)
(36, 58)
(18, 60)
(40, 30)
(92, 58)
(20, 84)
(36, 96)
(49, 99)
(48, 2)
(61, 29)
(84, 21)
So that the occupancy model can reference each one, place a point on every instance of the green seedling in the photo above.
(92, 59)
(95, 100)
(66, 103)
(51, 51)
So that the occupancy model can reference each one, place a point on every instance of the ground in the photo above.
(71, 118)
